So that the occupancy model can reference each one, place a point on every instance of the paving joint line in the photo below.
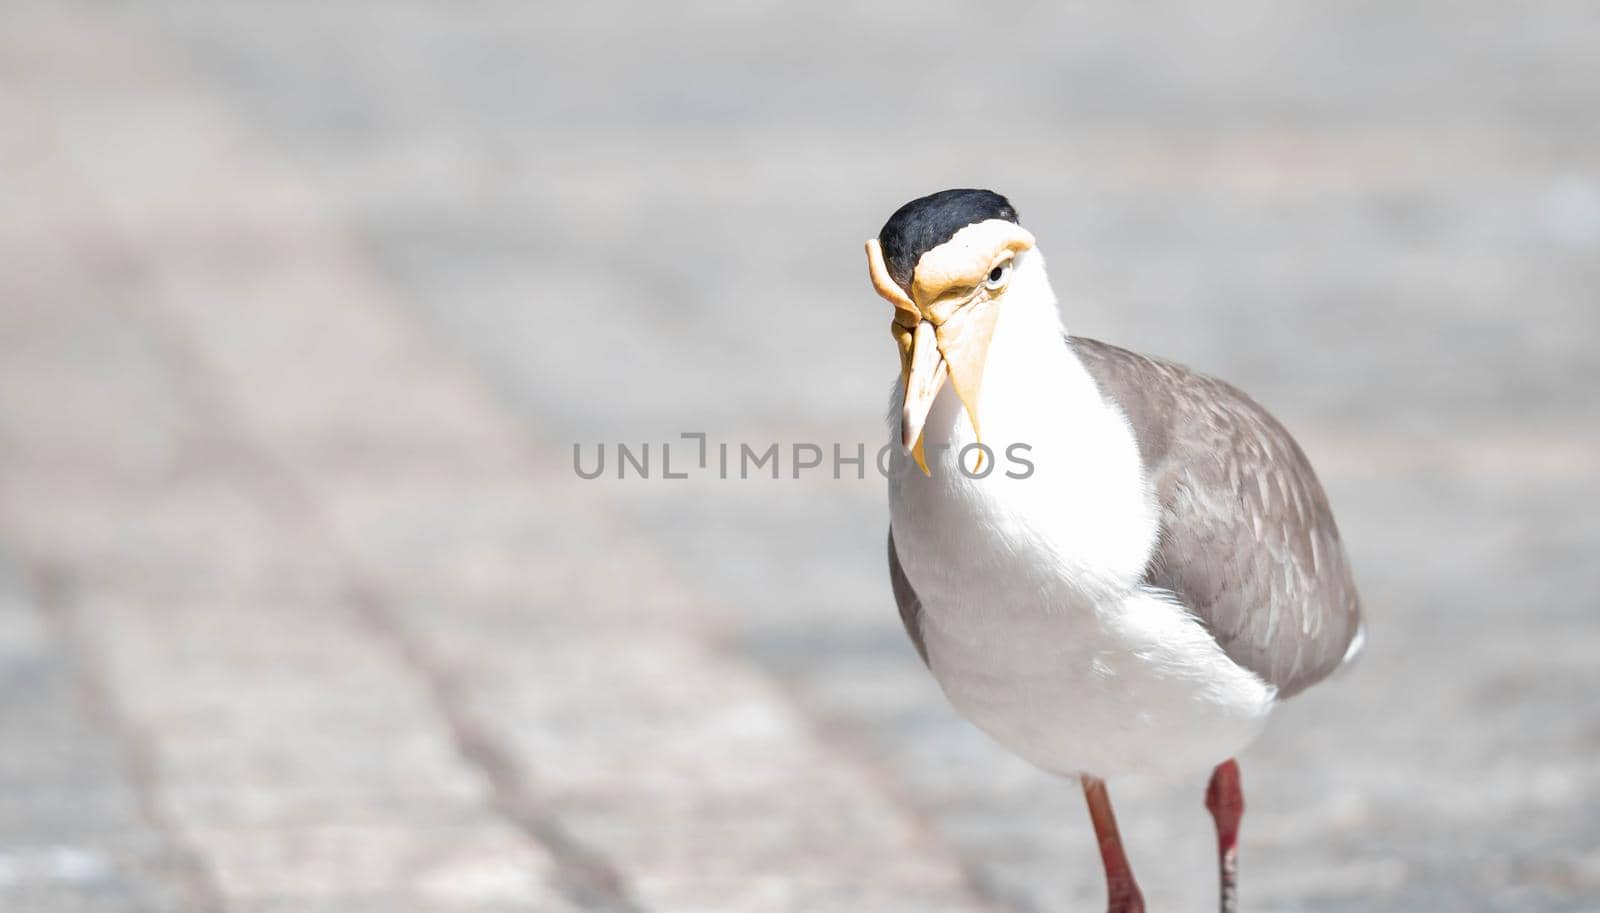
(53, 593)
(584, 876)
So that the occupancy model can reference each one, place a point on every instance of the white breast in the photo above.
(1034, 619)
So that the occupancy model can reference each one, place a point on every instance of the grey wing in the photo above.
(906, 598)
(1248, 542)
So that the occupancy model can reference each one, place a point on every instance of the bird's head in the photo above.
(945, 262)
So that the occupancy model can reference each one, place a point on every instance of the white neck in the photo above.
(1085, 501)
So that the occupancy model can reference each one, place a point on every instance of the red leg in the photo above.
(1122, 892)
(1225, 800)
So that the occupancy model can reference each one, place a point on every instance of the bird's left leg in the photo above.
(1122, 891)
(1225, 800)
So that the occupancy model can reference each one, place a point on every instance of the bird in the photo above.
(1111, 564)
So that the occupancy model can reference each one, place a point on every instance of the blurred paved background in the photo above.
(303, 307)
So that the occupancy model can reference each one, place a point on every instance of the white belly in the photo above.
(1035, 622)
(1120, 687)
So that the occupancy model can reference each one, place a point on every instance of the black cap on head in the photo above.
(927, 222)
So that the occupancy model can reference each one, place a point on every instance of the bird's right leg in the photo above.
(1122, 892)
(1225, 799)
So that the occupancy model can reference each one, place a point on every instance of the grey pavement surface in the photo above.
(303, 308)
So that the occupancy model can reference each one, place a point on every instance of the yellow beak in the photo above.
(940, 339)
(955, 350)
(924, 374)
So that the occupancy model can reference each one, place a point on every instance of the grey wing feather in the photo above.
(906, 598)
(1248, 542)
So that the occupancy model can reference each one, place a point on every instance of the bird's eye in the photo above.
(997, 277)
